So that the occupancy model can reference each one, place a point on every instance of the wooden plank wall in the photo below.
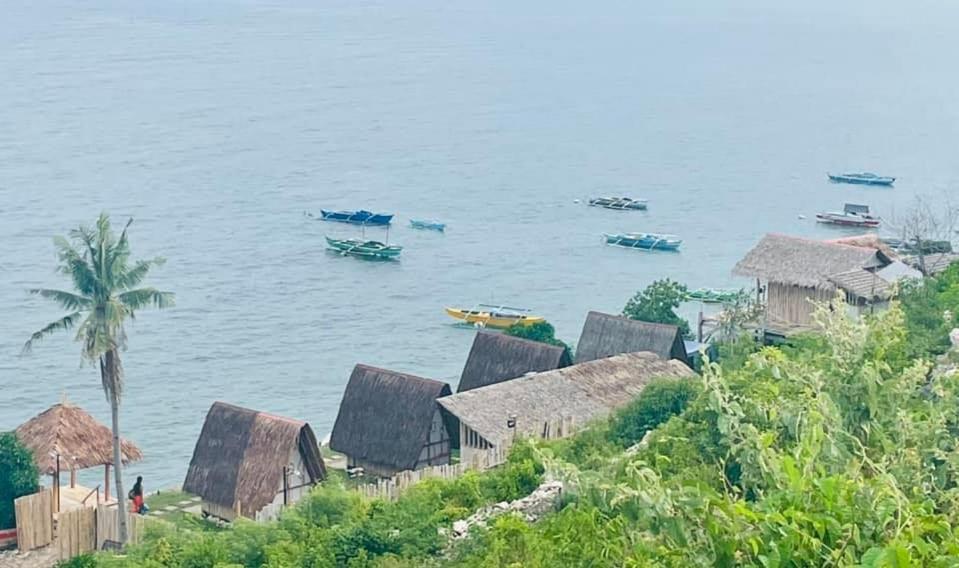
(77, 532)
(108, 526)
(34, 520)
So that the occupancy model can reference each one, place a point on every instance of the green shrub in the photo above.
(543, 332)
(657, 304)
(82, 561)
(18, 476)
(658, 402)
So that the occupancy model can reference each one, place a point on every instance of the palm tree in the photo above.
(106, 294)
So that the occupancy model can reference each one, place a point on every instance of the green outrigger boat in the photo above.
(364, 249)
(713, 295)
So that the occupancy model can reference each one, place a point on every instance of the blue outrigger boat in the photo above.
(645, 241)
(864, 178)
(360, 217)
(364, 249)
(427, 225)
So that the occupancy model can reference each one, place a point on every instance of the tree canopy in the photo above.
(657, 304)
(18, 476)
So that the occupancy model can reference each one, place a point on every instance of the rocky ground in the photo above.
(531, 508)
(41, 558)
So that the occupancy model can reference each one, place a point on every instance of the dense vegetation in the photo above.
(839, 449)
(543, 331)
(657, 303)
(18, 476)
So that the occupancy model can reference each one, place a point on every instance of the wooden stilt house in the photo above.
(390, 422)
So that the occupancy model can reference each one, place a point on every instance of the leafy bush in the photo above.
(18, 476)
(657, 304)
(543, 332)
(658, 402)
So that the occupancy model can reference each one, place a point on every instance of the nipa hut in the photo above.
(492, 416)
(606, 335)
(389, 422)
(246, 460)
(66, 437)
(791, 273)
(496, 357)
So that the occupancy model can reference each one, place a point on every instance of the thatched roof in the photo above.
(497, 357)
(241, 453)
(863, 284)
(583, 392)
(805, 262)
(867, 241)
(606, 335)
(81, 441)
(385, 416)
(936, 263)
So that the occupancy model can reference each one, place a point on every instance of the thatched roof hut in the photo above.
(582, 392)
(606, 335)
(79, 439)
(242, 456)
(805, 262)
(497, 357)
(386, 419)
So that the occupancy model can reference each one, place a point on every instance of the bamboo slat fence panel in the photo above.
(77, 532)
(34, 520)
(108, 526)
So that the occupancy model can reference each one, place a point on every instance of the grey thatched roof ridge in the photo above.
(805, 262)
(497, 357)
(863, 284)
(605, 335)
(385, 416)
(241, 453)
(583, 392)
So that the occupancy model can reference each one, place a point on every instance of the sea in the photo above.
(218, 126)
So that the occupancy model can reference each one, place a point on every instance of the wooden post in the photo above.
(73, 478)
(106, 482)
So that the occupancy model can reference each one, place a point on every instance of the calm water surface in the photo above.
(217, 124)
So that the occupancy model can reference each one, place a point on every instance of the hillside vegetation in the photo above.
(839, 449)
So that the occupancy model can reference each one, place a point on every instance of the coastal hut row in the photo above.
(245, 460)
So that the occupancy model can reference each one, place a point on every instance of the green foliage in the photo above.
(658, 402)
(543, 331)
(18, 476)
(82, 561)
(931, 306)
(657, 304)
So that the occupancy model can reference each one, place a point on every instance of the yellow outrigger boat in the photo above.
(497, 317)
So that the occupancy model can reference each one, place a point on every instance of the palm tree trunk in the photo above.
(110, 370)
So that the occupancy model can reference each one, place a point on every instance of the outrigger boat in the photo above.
(497, 317)
(913, 246)
(360, 217)
(428, 225)
(645, 241)
(365, 249)
(852, 216)
(713, 295)
(863, 178)
(619, 203)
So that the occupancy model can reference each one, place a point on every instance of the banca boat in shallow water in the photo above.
(862, 178)
(361, 217)
(619, 203)
(427, 225)
(645, 241)
(713, 295)
(497, 317)
(852, 215)
(365, 249)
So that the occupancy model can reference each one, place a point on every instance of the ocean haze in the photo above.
(216, 125)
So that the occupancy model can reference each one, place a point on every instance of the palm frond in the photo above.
(74, 265)
(68, 300)
(64, 323)
(134, 276)
(145, 297)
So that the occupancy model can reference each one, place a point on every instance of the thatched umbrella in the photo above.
(66, 436)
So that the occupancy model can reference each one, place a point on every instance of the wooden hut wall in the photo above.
(793, 304)
(437, 449)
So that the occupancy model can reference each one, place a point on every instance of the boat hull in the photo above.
(885, 181)
(645, 242)
(618, 204)
(364, 249)
(841, 222)
(491, 319)
(428, 225)
(356, 217)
